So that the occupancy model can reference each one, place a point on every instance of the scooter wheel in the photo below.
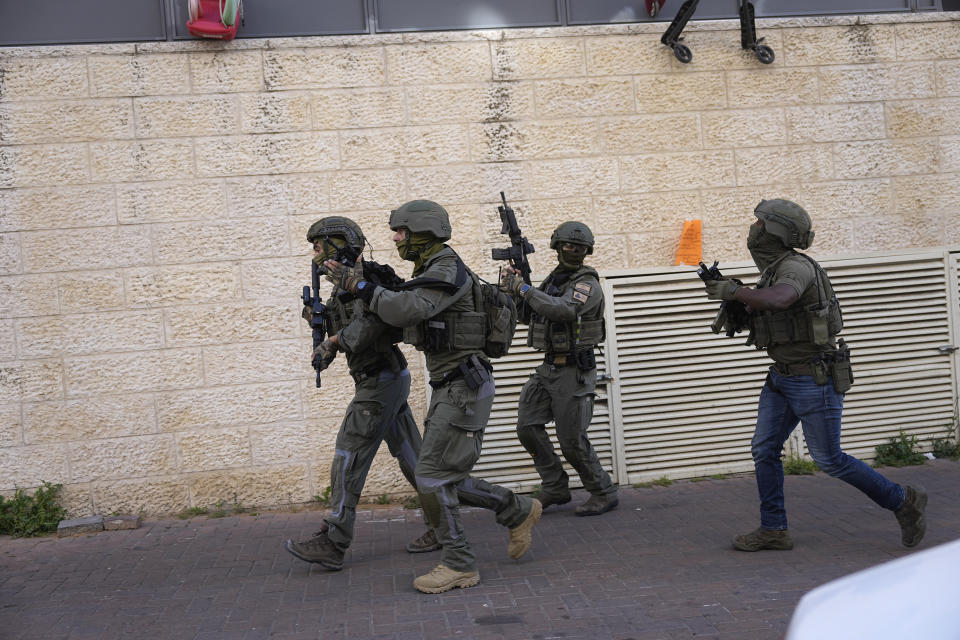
(682, 53)
(765, 54)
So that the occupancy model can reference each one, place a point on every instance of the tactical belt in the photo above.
(583, 359)
(370, 372)
(559, 359)
(462, 371)
(784, 369)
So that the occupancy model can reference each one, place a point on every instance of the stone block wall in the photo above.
(154, 200)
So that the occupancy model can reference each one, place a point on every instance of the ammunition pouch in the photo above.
(558, 337)
(814, 325)
(450, 331)
(840, 369)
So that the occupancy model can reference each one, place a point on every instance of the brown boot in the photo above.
(913, 524)
(424, 544)
(520, 535)
(443, 578)
(318, 549)
(761, 539)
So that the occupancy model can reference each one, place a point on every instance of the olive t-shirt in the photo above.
(798, 272)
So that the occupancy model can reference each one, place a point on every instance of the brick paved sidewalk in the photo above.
(660, 566)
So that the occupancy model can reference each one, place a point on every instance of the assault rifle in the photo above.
(733, 315)
(519, 248)
(315, 302)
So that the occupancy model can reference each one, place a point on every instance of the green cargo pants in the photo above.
(378, 412)
(452, 439)
(564, 395)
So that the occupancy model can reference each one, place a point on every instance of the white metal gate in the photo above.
(681, 401)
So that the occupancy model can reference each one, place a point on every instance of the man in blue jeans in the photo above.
(795, 316)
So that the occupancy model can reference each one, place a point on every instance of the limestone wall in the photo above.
(154, 200)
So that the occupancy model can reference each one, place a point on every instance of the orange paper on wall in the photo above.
(690, 250)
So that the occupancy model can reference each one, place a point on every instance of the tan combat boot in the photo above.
(443, 578)
(521, 535)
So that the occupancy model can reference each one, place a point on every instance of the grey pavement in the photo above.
(659, 567)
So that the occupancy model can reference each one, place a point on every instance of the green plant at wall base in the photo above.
(383, 499)
(219, 511)
(949, 446)
(946, 448)
(324, 498)
(662, 481)
(900, 451)
(411, 502)
(190, 512)
(26, 515)
(796, 465)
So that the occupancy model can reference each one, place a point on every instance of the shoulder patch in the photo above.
(583, 287)
(580, 296)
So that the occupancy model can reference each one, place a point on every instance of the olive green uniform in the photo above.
(442, 322)
(565, 316)
(378, 411)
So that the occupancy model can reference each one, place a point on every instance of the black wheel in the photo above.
(682, 53)
(765, 54)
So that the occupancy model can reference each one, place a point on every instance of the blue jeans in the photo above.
(786, 400)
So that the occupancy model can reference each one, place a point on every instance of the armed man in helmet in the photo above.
(795, 316)
(379, 410)
(438, 313)
(565, 318)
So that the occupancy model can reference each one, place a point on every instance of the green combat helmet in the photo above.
(573, 233)
(787, 220)
(337, 226)
(422, 216)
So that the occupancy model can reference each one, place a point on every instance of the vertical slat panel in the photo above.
(688, 397)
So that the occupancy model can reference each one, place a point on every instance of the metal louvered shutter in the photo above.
(896, 318)
(504, 460)
(684, 399)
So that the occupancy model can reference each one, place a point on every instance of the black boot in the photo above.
(597, 504)
(764, 540)
(913, 524)
(318, 549)
(546, 499)
(424, 544)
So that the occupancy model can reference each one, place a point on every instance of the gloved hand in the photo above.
(324, 354)
(307, 314)
(721, 289)
(347, 278)
(511, 282)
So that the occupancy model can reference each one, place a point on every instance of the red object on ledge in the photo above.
(208, 24)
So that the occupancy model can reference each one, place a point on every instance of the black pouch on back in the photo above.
(586, 360)
(474, 372)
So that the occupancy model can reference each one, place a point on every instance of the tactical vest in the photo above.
(383, 353)
(815, 318)
(461, 326)
(560, 337)
(340, 314)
